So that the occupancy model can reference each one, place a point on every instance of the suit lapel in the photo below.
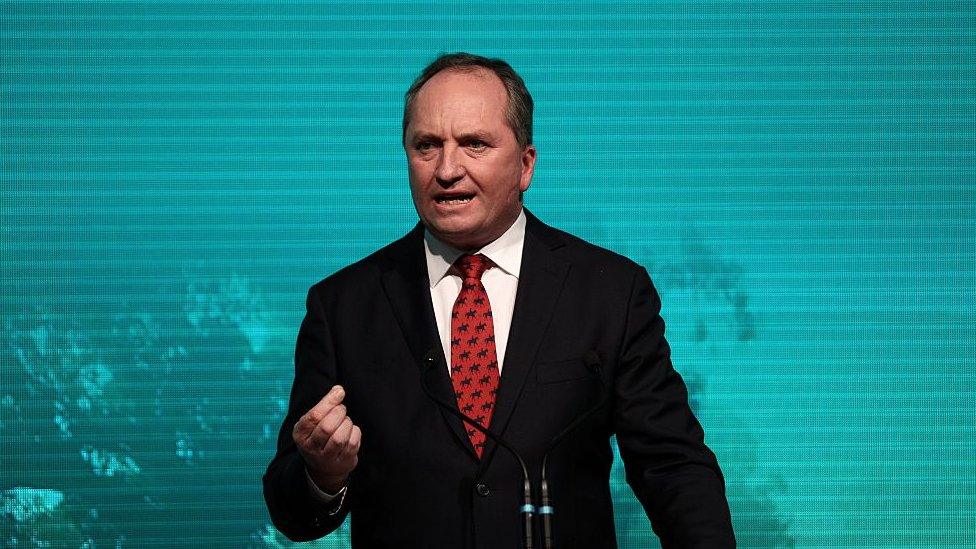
(407, 287)
(541, 280)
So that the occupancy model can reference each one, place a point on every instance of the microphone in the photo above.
(527, 509)
(592, 361)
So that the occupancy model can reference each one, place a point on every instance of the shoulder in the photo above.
(582, 255)
(365, 273)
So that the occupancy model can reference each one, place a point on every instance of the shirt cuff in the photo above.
(324, 496)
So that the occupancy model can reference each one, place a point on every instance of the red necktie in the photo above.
(474, 364)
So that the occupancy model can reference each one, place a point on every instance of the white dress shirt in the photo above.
(500, 281)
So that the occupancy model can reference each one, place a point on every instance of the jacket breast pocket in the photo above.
(563, 371)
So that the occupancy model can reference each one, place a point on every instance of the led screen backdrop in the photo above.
(798, 177)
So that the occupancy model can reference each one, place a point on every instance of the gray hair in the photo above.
(519, 112)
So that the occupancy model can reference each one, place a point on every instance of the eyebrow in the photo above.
(427, 136)
(480, 135)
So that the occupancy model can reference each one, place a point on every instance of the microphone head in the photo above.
(430, 358)
(592, 361)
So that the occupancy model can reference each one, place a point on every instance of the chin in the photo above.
(458, 237)
(452, 226)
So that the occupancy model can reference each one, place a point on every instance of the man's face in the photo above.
(466, 169)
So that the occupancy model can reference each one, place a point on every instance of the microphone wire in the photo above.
(546, 510)
(527, 510)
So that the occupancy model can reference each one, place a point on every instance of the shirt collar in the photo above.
(505, 252)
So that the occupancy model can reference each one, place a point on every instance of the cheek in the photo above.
(418, 176)
(509, 170)
(417, 164)
(501, 181)
(490, 176)
(416, 187)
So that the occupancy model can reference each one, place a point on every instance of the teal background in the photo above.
(798, 177)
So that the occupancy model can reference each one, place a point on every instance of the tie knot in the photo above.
(473, 266)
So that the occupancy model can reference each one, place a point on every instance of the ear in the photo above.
(528, 167)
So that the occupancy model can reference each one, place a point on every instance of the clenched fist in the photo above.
(328, 441)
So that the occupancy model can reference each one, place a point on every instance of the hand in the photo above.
(328, 441)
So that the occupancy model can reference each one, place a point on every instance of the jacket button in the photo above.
(483, 490)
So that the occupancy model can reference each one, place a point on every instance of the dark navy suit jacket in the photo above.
(370, 326)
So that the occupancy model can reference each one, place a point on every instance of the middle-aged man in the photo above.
(511, 322)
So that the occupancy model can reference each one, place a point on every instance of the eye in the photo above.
(477, 145)
(424, 146)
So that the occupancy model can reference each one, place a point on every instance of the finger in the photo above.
(331, 399)
(323, 431)
(339, 439)
(352, 446)
(304, 427)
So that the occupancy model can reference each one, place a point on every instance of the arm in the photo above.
(674, 475)
(294, 507)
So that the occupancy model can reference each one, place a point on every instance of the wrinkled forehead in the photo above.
(455, 97)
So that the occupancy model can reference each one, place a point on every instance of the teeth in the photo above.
(454, 201)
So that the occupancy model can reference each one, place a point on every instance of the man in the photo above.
(503, 318)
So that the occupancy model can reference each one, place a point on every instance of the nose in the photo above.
(450, 166)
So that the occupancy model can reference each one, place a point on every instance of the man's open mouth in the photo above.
(454, 199)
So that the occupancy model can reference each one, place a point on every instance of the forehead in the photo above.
(453, 99)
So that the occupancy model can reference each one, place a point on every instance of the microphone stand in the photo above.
(527, 510)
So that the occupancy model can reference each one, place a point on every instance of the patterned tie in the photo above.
(474, 364)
